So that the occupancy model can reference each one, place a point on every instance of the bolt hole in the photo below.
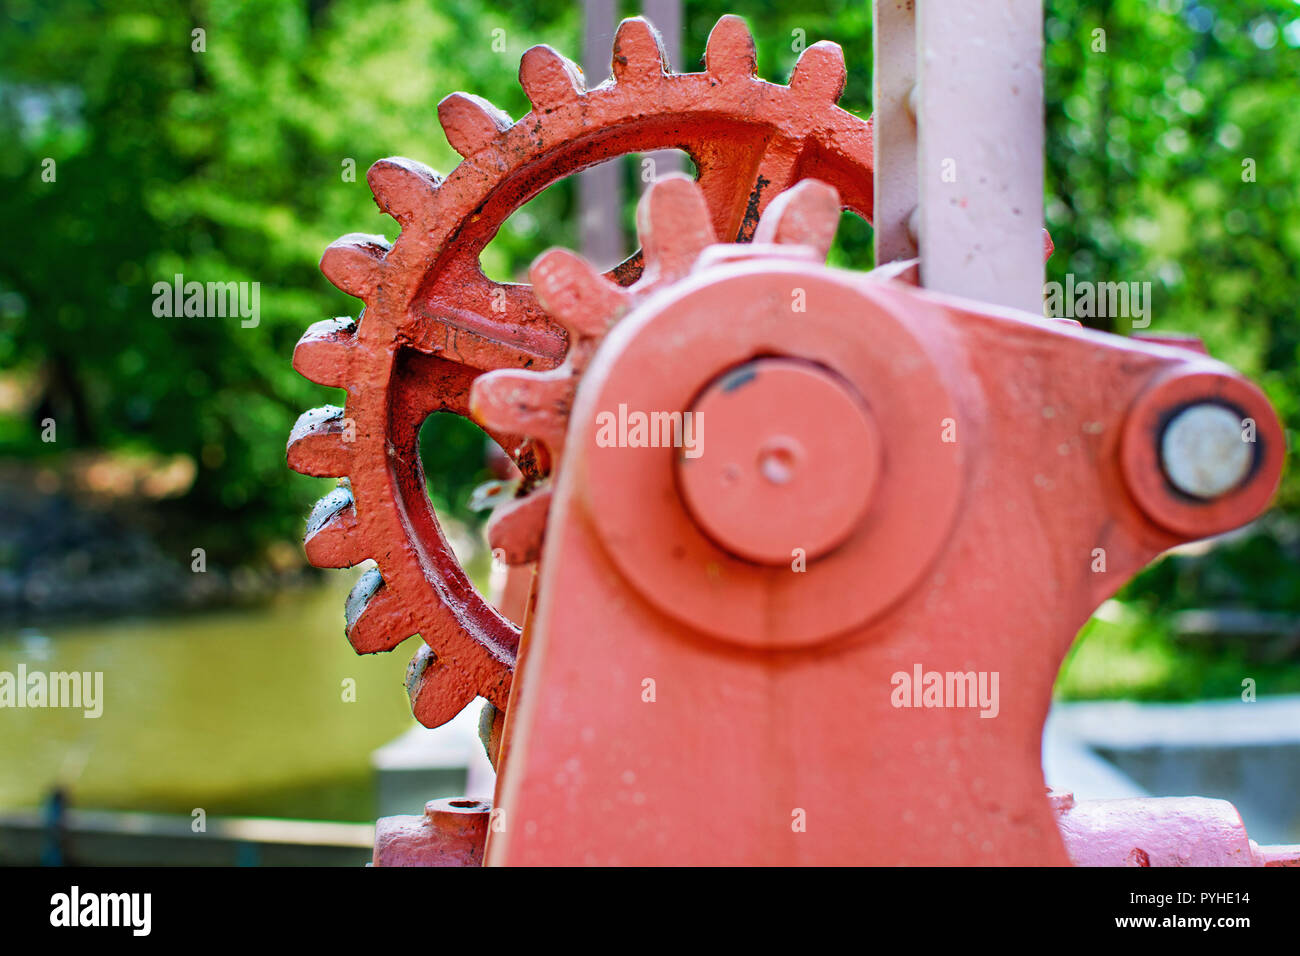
(776, 463)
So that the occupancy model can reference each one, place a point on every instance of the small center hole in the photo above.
(776, 463)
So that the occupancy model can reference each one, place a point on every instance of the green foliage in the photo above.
(1172, 158)
(1255, 570)
(229, 165)
(224, 165)
(1137, 658)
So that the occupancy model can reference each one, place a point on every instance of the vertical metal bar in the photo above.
(600, 189)
(894, 134)
(666, 15)
(980, 128)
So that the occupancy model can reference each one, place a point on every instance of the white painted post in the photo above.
(894, 133)
(980, 71)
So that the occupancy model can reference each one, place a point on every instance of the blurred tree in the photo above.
(141, 149)
(1171, 159)
(1173, 129)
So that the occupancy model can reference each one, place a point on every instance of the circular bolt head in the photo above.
(1203, 451)
(791, 461)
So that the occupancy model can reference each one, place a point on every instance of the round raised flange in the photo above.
(786, 440)
(664, 355)
(1168, 495)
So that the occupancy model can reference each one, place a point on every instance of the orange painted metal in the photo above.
(831, 635)
(433, 321)
(452, 832)
(1161, 831)
(679, 703)
(1210, 382)
(805, 484)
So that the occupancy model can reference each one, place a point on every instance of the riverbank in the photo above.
(263, 711)
(70, 553)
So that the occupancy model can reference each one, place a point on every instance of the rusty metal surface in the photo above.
(890, 482)
(452, 832)
(433, 321)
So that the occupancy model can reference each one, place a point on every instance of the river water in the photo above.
(260, 712)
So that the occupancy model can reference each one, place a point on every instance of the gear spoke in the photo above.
(738, 189)
(467, 317)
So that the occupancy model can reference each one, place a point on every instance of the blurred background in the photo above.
(131, 155)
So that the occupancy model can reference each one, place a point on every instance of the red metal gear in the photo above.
(433, 321)
(674, 227)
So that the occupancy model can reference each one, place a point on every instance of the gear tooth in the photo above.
(491, 726)
(820, 73)
(549, 79)
(321, 443)
(535, 404)
(518, 527)
(322, 354)
(330, 541)
(470, 122)
(376, 620)
(352, 263)
(639, 52)
(806, 214)
(402, 187)
(437, 692)
(672, 221)
(575, 294)
(730, 50)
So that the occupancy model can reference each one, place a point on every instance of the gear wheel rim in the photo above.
(794, 132)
